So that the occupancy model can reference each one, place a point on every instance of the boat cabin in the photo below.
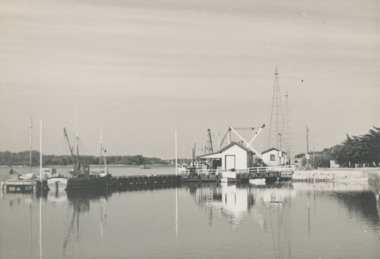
(274, 157)
(48, 172)
(232, 156)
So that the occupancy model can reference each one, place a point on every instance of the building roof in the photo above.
(218, 154)
(271, 149)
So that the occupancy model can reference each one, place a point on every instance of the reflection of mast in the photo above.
(176, 211)
(41, 189)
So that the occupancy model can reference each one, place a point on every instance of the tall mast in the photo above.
(287, 126)
(30, 144)
(41, 152)
(276, 114)
(209, 146)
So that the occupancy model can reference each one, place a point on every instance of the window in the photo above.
(272, 157)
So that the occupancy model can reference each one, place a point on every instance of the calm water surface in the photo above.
(299, 220)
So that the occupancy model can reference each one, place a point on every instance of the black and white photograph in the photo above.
(189, 129)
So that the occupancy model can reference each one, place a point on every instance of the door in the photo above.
(230, 161)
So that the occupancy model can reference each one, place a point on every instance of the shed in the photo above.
(232, 156)
(273, 157)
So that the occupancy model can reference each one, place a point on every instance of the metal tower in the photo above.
(277, 116)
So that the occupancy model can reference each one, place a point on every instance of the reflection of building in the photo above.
(231, 201)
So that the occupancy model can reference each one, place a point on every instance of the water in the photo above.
(299, 220)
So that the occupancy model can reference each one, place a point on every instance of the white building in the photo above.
(274, 157)
(232, 156)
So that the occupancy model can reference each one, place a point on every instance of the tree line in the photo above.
(363, 150)
(23, 159)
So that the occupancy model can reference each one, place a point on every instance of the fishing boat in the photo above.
(82, 178)
(58, 183)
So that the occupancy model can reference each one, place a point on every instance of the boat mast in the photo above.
(30, 144)
(176, 153)
(102, 152)
(209, 146)
(41, 153)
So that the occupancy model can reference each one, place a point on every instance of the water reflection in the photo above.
(284, 220)
(80, 202)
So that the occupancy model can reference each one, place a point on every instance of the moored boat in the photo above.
(82, 179)
(58, 183)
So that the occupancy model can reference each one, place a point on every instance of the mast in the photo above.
(176, 153)
(30, 144)
(209, 146)
(286, 137)
(102, 152)
(41, 189)
(41, 153)
(307, 145)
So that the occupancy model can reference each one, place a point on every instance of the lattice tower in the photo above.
(277, 116)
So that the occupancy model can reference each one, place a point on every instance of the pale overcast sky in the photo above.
(140, 70)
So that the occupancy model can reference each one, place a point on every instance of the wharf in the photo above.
(23, 186)
(127, 182)
(18, 185)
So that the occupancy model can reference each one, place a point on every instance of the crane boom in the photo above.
(68, 142)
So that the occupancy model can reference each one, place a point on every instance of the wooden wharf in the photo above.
(23, 186)
(127, 182)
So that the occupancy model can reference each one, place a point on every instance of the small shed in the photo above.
(232, 156)
(274, 157)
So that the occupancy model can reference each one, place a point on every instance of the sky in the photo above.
(141, 70)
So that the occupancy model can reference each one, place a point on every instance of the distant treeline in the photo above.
(23, 158)
(355, 151)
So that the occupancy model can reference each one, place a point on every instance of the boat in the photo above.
(143, 167)
(57, 183)
(82, 178)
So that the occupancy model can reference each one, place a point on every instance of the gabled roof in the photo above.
(234, 144)
(269, 150)
(218, 154)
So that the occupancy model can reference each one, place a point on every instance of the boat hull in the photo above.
(58, 183)
(87, 184)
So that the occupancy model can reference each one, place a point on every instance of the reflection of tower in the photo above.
(276, 117)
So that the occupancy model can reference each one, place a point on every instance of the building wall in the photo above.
(240, 157)
(277, 161)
